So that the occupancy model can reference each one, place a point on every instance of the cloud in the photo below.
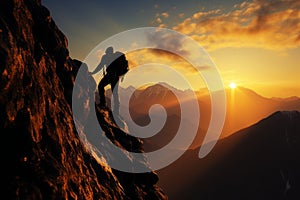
(168, 41)
(165, 14)
(158, 20)
(181, 15)
(203, 67)
(259, 23)
(157, 57)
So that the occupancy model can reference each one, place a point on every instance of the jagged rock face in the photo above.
(45, 158)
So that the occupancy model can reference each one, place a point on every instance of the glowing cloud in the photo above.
(260, 23)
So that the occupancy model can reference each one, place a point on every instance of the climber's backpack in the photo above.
(119, 65)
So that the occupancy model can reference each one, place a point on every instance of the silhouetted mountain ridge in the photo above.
(258, 162)
(245, 107)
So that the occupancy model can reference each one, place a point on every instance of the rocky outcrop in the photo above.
(45, 159)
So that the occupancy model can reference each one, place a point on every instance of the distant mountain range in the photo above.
(244, 108)
(258, 162)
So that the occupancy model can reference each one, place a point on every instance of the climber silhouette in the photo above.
(114, 66)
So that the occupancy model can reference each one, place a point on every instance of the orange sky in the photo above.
(255, 44)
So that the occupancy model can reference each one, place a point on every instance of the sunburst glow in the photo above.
(232, 85)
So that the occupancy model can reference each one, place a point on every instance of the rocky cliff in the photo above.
(44, 156)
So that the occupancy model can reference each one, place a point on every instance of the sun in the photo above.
(232, 85)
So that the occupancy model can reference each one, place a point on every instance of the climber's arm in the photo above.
(99, 67)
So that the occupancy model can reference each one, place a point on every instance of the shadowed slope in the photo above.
(258, 162)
